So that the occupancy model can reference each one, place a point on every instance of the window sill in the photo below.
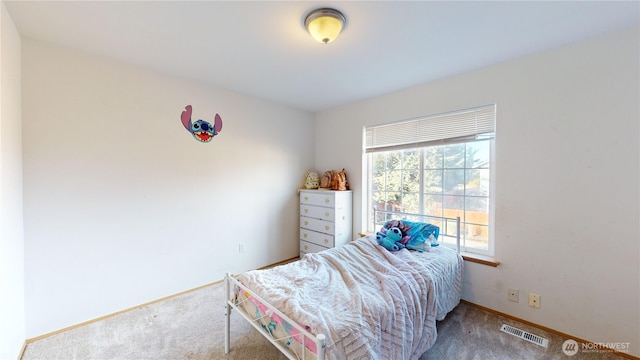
(480, 259)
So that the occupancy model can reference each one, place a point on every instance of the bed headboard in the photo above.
(449, 227)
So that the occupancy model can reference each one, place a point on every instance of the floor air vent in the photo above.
(538, 340)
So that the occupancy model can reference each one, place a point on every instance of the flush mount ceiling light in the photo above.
(324, 24)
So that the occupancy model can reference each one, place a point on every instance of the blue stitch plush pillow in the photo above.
(420, 235)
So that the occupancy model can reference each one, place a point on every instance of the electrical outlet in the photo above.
(240, 248)
(534, 300)
(512, 295)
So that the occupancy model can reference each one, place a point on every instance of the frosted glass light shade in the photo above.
(324, 24)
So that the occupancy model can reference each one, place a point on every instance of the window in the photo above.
(438, 166)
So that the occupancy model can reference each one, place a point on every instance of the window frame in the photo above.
(421, 146)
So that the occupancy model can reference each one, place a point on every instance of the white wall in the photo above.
(12, 312)
(123, 206)
(567, 180)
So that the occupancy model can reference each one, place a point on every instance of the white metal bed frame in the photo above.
(319, 339)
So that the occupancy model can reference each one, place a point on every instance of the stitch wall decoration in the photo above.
(201, 130)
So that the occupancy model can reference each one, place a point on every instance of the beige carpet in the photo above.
(191, 326)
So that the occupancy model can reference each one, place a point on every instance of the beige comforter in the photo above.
(369, 302)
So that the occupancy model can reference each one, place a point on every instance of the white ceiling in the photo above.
(262, 49)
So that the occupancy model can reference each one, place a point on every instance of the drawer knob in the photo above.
(326, 241)
(326, 227)
(306, 198)
(304, 235)
(306, 210)
(306, 223)
(327, 214)
(306, 247)
(327, 200)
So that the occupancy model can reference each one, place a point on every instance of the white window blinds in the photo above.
(457, 126)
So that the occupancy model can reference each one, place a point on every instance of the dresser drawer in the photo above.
(319, 198)
(317, 212)
(316, 238)
(307, 247)
(322, 226)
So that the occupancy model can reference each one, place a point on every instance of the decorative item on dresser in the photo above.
(325, 219)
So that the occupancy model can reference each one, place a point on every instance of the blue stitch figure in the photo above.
(201, 130)
(390, 239)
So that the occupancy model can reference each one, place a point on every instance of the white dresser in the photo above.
(325, 219)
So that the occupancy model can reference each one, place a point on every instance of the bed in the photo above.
(358, 301)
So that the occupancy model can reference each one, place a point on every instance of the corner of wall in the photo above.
(12, 302)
